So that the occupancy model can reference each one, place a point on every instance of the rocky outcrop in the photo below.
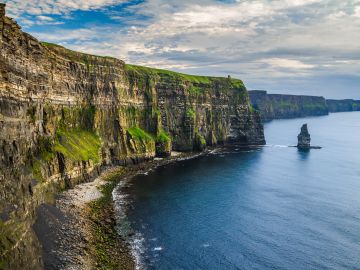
(277, 106)
(65, 115)
(304, 138)
(345, 105)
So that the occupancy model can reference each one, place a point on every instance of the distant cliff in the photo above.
(65, 115)
(277, 106)
(345, 105)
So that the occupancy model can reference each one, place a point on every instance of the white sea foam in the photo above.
(136, 241)
(137, 249)
(277, 145)
(206, 245)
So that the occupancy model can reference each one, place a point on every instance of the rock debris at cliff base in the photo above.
(65, 115)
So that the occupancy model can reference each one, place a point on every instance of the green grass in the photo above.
(49, 44)
(145, 72)
(163, 137)
(190, 113)
(356, 106)
(200, 142)
(176, 76)
(285, 105)
(78, 145)
(251, 108)
(166, 74)
(196, 90)
(314, 106)
(108, 251)
(36, 170)
(238, 84)
(104, 238)
(139, 134)
(201, 139)
(75, 56)
(45, 154)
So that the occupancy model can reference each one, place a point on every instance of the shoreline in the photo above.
(79, 230)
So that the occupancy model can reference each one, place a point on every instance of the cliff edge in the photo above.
(65, 115)
(278, 106)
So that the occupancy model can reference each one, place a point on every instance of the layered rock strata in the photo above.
(65, 115)
(304, 138)
(344, 105)
(278, 106)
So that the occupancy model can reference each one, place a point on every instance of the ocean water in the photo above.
(268, 208)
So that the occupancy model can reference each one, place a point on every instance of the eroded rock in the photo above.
(65, 115)
(304, 138)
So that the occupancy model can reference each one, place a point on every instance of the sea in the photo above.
(272, 207)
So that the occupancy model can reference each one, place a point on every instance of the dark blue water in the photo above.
(272, 208)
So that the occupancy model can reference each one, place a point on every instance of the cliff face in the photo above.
(276, 106)
(345, 105)
(64, 115)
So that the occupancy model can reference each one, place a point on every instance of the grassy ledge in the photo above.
(139, 134)
(78, 145)
(168, 75)
(197, 84)
(80, 57)
(163, 137)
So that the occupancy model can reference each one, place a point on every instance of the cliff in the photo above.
(64, 115)
(277, 106)
(345, 105)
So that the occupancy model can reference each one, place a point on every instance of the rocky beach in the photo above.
(66, 115)
(78, 230)
(85, 136)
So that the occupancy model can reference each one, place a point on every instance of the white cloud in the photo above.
(45, 18)
(257, 40)
(38, 7)
(286, 63)
(197, 15)
(297, 3)
(357, 11)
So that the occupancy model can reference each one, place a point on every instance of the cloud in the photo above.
(357, 11)
(45, 18)
(260, 41)
(39, 7)
(287, 63)
(297, 3)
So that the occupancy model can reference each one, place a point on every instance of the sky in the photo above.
(283, 46)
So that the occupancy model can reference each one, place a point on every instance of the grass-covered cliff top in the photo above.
(172, 75)
(79, 56)
(141, 71)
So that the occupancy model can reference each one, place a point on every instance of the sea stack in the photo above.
(304, 138)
